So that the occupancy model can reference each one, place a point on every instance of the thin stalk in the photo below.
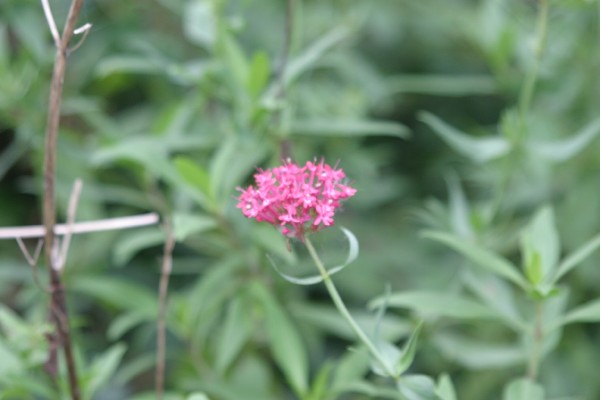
(537, 336)
(528, 88)
(161, 326)
(58, 314)
(339, 303)
(524, 104)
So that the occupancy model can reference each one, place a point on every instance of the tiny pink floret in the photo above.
(296, 199)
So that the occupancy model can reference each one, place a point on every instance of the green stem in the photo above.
(537, 337)
(339, 303)
(531, 79)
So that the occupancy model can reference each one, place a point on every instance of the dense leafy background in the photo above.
(171, 104)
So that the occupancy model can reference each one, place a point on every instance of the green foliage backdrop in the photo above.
(468, 127)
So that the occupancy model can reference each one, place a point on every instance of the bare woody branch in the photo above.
(109, 224)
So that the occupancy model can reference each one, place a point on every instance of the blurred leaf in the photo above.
(441, 85)
(311, 280)
(589, 312)
(320, 383)
(445, 389)
(540, 246)
(118, 293)
(194, 175)
(479, 150)
(314, 52)
(576, 258)
(408, 351)
(417, 387)
(437, 304)
(199, 22)
(11, 363)
(235, 59)
(481, 257)
(185, 225)
(497, 294)
(371, 390)
(523, 389)
(350, 368)
(274, 243)
(286, 345)
(260, 70)
(389, 358)
(197, 396)
(102, 369)
(562, 150)
(459, 207)
(233, 161)
(348, 128)
(475, 354)
(125, 322)
(328, 319)
(134, 241)
(237, 329)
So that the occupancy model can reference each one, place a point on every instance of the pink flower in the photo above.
(296, 199)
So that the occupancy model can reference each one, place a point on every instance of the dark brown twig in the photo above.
(161, 328)
(58, 304)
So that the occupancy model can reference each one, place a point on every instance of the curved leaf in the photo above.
(349, 128)
(481, 257)
(562, 150)
(311, 280)
(477, 149)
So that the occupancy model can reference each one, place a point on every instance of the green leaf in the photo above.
(237, 328)
(459, 207)
(193, 174)
(260, 71)
(540, 246)
(562, 150)
(311, 280)
(576, 258)
(185, 225)
(286, 345)
(314, 52)
(102, 369)
(133, 242)
(197, 396)
(589, 312)
(352, 366)
(523, 389)
(408, 351)
(119, 293)
(437, 304)
(475, 354)
(441, 85)
(479, 150)
(481, 257)
(348, 128)
(235, 59)
(125, 322)
(417, 387)
(445, 389)
(199, 22)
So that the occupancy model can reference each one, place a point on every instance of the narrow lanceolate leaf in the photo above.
(285, 342)
(236, 331)
(311, 280)
(349, 128)
(589, 312)
(445, 389)
(477, 149)
(562, 150)
(481, 257)
(438, 304)
(408, 352)
(540, 246)
(523, 389)
(576, 258)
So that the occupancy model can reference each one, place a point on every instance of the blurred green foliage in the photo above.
(475, 119)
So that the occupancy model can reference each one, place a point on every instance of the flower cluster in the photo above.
(296, 198)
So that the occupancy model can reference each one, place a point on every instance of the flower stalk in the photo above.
(339, 304)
